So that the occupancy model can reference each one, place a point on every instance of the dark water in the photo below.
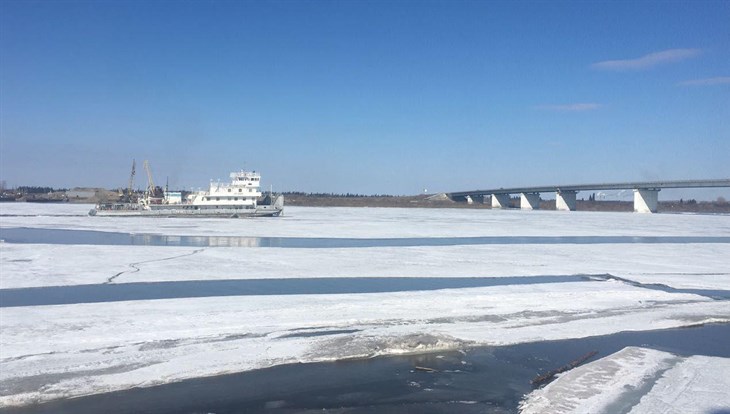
(63, 295)
(478, 380)
(24, 235)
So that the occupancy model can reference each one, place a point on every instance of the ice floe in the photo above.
(90, 348)
(638, 380)
(698, 266)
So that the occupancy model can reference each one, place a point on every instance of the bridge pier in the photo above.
(530, 201)
(646, 200)
(500, 201)
(645, 193)
(565, 200)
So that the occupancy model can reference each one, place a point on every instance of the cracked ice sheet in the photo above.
(48, 352)
(377, 223)
(638, 380)
(698, 266)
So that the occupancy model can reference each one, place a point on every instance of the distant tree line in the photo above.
(332, 195)
(23, 189)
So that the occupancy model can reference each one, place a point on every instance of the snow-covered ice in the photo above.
(89, 348)
(379, 223)
(698, 266)
(48, 352)
(638, 380)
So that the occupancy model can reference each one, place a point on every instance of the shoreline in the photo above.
(438, 201)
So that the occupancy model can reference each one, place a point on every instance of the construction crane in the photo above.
(150, 182)
(131, 181)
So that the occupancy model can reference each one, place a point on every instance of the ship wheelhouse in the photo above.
(241, 192)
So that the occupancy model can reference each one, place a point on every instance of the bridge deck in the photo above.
(603, 186)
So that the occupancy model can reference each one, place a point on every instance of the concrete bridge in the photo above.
(646, 194)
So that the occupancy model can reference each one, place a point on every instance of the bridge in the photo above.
(646, 193)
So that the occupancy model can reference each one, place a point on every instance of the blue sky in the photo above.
(364, 96)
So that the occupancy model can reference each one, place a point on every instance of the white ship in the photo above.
(239, 198)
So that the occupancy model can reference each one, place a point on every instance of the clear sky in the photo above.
(365, 97)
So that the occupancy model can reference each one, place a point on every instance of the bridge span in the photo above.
(646, 193)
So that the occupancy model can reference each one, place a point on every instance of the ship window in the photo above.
(217, 199)
(240, 190)
(229, 190)
(235, 198)
(250, 190)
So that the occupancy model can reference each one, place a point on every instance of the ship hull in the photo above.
(189, 210)
(171, 212)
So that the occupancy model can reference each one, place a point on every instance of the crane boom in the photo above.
(150, 182)
(131, 180)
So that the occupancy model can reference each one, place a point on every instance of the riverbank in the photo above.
(95, 196)
(441, 201)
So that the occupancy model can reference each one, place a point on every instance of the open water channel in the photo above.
(90, 237)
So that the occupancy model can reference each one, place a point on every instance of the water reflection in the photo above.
(88, 237)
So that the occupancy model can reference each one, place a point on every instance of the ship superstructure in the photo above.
(238, 198)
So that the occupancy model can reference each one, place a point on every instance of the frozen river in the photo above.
(91, 305)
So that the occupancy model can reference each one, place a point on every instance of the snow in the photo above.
(699, 266)
(58, 351)
(638, 380)
(89, 348)
(378, 223)
(697, 384)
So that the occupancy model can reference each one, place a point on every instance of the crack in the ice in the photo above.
(42, 382)
(605, 313)
(318, 333)
(551, 317)
(714, 294)
(136, 264)
(178, 342)
(22, 357)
